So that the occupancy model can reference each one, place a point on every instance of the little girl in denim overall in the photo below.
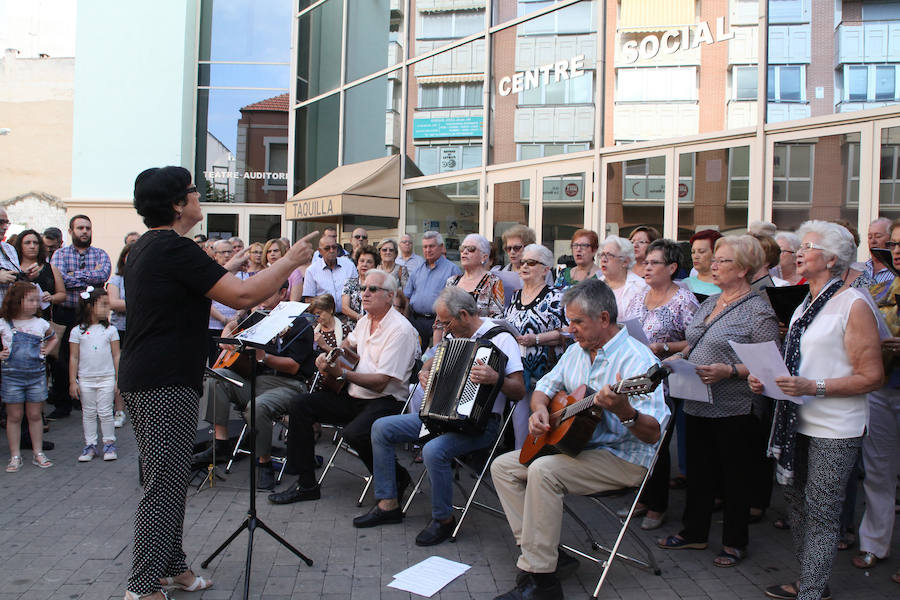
(26, 340)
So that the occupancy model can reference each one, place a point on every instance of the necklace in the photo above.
(730, 300)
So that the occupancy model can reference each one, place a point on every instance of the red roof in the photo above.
(277, 104)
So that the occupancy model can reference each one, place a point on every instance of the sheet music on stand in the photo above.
(279, 324)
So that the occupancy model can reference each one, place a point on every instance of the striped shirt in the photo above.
(621, 355)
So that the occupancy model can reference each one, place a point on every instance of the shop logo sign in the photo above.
(675, 40)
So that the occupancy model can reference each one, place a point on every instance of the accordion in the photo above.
(452, 402)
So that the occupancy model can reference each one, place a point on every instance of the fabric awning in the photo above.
(370, 188)
(653, 15)
(458, 78)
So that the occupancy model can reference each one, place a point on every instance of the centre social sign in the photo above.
(675, 40)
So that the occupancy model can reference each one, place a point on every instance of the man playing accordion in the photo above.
(617, 455)
(457, 314)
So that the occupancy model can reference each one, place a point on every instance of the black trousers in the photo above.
(656, 492)
(727, 446)
(425, 327)
(59, 392)
(356, 415)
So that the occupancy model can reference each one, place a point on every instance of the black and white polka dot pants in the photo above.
(165, 425)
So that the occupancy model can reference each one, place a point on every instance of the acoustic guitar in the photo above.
(336, 356)
(574, 416)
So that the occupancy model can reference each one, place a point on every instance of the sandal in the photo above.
(132, 596)
(781, 523)
(847, 541)
(727, 559)
(788, 591)
(756, 517)
(896, 576)
(15, 463)
(199, 583)
(676, 542)
(40, 459)
(864, 560)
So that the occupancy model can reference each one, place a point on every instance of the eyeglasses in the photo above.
(654, 263)
(891, 245)
(640, 243)
(4, 222)
(722, 261)
(224, 251)
(371, 289)
(441, 324)
(810, 246)
(530, 262)
(82, 262)
(788, 252)
(190, 190)
(391, 250)
(468, 248)
(329, 248)
(580, 246)
(360, 237)
(516, 248)
(608, 256)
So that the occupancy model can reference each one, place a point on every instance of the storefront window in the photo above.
(374, 37)
(511, 207)
(243, 74)
(445, 115)
(542, 84)
(451, 209)
(814, 179)
(320, 46)
(562, 211)
(712, 190)
(264, 228)
(635, 194)
(889, 173)
(372, 119)
(316, 141)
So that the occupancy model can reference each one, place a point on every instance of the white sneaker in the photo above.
(119, 418)
(109, 451)
(88, 453)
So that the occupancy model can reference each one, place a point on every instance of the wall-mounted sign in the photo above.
(313, 207)
(526, 80)
(447, 127)
(450, 159)
(675, 40)
(244, 175)
(563, 190)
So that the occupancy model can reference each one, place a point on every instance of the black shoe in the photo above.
(204, 458)
(377, 516)
(780, 593)
(295, 493)
(527, 589)
(265, 479)
(57, 414)
(435, 533)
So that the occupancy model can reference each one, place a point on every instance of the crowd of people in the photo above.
(560, 324)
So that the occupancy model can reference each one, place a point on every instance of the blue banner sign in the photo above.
(447, 127)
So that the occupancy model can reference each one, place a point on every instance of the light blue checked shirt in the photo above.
(628, 357)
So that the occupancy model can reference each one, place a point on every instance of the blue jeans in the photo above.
(437, 454)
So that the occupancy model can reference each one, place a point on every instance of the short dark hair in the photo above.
(670, 250)
(771, 249)
(202, 237)
(54, 233)
(652, 232)
(371, 251)
(76, 217)
(157, 191)
(42, 247)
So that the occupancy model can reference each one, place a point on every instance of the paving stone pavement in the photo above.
(66, 532)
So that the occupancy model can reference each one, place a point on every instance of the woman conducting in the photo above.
(833, 354)
(170, 283)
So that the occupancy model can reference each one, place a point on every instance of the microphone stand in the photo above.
(252, 521)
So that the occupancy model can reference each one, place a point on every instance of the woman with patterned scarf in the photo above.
(832, 352)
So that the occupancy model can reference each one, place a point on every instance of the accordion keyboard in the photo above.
(470, 390)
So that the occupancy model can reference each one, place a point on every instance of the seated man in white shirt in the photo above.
(387, 346)
(457, 313)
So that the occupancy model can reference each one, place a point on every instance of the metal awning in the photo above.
(637, 16)
(370, 188)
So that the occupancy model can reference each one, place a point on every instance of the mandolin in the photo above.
(574, 416)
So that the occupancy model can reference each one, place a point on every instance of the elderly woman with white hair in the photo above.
(616, 261)
(786, 268)
(485, 287)
(832, 352)
(537, 312)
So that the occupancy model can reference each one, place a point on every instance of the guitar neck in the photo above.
(577, 408)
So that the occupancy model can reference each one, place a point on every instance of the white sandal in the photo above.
(132, 596)
(199, 583)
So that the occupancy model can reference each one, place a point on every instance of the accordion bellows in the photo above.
(452, 402)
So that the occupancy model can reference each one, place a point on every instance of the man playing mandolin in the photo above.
(617, 454)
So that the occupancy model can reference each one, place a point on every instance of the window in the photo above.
(889, 186)
(450, 95)
(792, 173)
(450, 25)
(575, 18)
(739, 174)
(786, 84)
(276, 162)
(645, 179)
(880, 10)
(578, 90)
(441, 159)
(744, 83)
(852, 162)
(529, 151)
(870, 83)
(656, 84)
(788, 11)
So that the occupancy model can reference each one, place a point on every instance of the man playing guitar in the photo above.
(388, 347)
(617, 455)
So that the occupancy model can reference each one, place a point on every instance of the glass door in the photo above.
(565, 197)
(510, 201)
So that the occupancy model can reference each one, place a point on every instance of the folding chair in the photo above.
(479, 478)
(340, 444)
(600, 498)
(279, 460)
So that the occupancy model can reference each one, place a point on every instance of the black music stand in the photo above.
(211, 473)
(252, 521)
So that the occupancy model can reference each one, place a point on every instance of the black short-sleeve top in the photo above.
(167, 312)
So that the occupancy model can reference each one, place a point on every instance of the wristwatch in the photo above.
(820, 388)
(734, 372)
(342, 376)
(665, 347)
(629, 423)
